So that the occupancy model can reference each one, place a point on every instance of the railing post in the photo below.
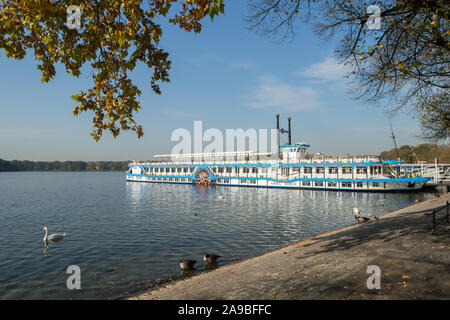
(434, 221)
(447, 211)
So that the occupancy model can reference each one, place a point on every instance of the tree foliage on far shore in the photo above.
(407, 60)
(26, 165)
(424, 152)
(115, 36)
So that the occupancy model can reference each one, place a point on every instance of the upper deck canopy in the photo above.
(214, 155)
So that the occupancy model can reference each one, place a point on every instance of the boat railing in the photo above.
(250, 161)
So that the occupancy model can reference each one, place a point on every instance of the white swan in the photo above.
(52, 237)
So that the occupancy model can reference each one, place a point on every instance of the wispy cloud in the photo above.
(206, 59)
(241, 65)
(329, 70)
(179, 113)
(271, 93)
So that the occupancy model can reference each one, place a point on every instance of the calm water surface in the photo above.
(128, 237)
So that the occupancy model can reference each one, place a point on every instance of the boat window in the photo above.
(306, 183)
(346, 184)
(347, 170)
(361, 170)
(332, 170)
(375, 170)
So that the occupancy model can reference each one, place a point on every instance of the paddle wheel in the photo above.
(202, 177)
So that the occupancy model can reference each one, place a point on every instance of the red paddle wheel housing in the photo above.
(202, 177)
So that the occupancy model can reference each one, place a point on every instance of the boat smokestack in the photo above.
(289, 131)
(278, 134)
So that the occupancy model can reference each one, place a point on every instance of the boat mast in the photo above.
(393, 138)
(289, 131)
(396, 149)
(278, 135)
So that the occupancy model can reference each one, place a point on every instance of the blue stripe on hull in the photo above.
(317, 188)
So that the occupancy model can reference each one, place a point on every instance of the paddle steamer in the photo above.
(292, 167)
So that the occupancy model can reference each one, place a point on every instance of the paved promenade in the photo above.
(414, 263)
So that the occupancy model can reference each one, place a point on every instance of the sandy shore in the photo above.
(414, 263)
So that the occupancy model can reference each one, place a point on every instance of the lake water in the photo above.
(128, 237)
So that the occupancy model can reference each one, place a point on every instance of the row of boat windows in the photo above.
(311, 183)
(167, 169)
(293, 170)
(171, 179)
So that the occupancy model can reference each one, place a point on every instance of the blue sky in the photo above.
(225, 76)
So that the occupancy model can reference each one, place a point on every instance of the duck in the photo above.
(210, 258)
(362, 219)
(358, 217)
(187, 264)
(52, 237)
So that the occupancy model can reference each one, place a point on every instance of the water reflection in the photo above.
(147, 228)
(45, 251)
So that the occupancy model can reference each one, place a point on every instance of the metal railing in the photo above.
(436, 220)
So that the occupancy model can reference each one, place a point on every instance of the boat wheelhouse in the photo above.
(294, 169)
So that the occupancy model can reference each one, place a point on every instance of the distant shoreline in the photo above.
(62, 166)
